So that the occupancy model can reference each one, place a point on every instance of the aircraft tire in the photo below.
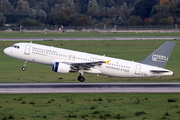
(81, 78)
(23, 68)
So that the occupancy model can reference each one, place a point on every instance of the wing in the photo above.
(86, 65)
(82, 65)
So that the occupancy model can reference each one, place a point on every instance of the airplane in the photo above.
(66, 61)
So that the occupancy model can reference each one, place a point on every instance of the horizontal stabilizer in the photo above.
(158, 71)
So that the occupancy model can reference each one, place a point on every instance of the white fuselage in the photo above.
(116, 67)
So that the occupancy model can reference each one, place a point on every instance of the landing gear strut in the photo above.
(81, 78)
(24, 68)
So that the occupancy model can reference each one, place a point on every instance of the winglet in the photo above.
(108, 62)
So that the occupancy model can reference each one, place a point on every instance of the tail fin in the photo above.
(161, 56)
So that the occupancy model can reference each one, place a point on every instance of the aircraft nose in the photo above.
(7, 51)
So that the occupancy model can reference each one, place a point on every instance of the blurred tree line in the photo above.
(89, 12)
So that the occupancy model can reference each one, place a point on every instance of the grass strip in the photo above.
(70, 35)
(90, 106)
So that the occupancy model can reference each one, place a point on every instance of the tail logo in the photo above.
(159, 58)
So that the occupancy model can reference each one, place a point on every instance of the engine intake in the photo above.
(61, 67)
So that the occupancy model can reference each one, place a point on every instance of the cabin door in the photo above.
(27, 49)
(138, 69)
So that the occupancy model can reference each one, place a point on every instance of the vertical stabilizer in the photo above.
(160, 56)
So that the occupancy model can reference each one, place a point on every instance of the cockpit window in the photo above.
(16, 46)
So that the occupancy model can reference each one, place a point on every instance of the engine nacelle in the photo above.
(61, 67)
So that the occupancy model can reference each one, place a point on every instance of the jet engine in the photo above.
(61, 67)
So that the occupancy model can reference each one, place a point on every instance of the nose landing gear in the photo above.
(24, 68)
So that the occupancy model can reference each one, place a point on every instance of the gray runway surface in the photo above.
(91, 38)
(90, 88)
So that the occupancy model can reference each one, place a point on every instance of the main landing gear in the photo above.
(24, 68)
(81, 78)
